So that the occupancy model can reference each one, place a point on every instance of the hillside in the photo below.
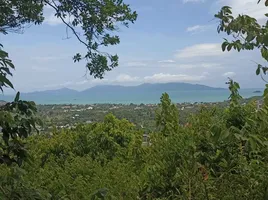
(163, 87)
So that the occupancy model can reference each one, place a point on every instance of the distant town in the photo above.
(142, 115)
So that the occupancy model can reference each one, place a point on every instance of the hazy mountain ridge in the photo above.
(119, 88)
(62, 91)
(147, 86)
(111, 93)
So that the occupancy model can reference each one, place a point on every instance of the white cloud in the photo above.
(68, 83)
(198, 28)
(229, 74)
(193, 1)
(166, 61)
(136, 64)
(82, 82)
(59, 85)
(210, 65)
(52, 20)
(200, 50)
(123, 78)
(201, 65)
(249, 7)
(205, 74)
(50, 17)
(42, 69)
(100, 81)
(165, 78)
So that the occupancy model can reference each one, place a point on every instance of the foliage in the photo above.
(167, 117)
(97, 19)
(5, 67)
(77, 164)
(247, 32)
(209, 158)
(17, 119)
(218, 154)
(17, 13)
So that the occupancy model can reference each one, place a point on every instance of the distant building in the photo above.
(64, 107)
(2, 103)
(259, 104)
(114, 107)
(189, 107)
(146, 140)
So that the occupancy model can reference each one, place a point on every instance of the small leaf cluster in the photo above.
(248, 34)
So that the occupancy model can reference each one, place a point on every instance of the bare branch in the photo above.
(67, 24)
(263, 78)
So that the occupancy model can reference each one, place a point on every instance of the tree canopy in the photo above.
(217, 154)
(247, 32)
(92, 22)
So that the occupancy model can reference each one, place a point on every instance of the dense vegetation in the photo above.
(217, 154)
(142, 115)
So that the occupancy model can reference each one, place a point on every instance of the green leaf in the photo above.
(264, 69)
(264, 53)
(4, 80)
(250, 37)
(229, 47)
(237, 85)
(223, 46)
(10, 64)
(258, 71)
(225, 134)
(17, 97)
(252, 144)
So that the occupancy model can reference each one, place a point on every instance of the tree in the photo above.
(97, 19)
(5, 67)
(17, 13)
(167, 116)
(247, 32)
(236, 116)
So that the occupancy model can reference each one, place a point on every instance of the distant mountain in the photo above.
(111, 93)
(62, 91)
(163, 87)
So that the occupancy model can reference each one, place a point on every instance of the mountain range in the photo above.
(147, 87)
(110, 93)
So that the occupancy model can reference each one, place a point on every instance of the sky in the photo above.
(171, 41)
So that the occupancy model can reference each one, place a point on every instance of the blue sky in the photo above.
(171, 41)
